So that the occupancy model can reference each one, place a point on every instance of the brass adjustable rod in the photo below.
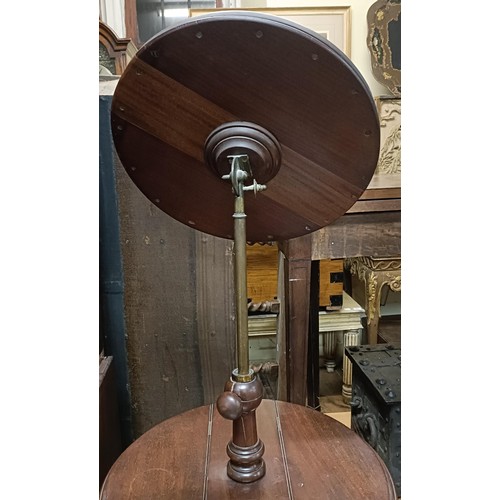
(240, 281)
(240, 172)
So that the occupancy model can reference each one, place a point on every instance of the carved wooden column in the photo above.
(351, 337)
(329, 341)
(375, 273)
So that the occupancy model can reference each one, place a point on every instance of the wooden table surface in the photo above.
(308, 456)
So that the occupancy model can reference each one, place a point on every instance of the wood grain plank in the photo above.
(381, 193)
(296, 282)
(375, 206)
(281, 332)
(326, 288)
(215, 312)
(262, 272)
(183, 122)
(312, 379)
(328, 460)
(354, 235)
(155, 465)
(159, 299)
(324, 194)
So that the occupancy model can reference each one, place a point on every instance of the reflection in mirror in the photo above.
(154, 16)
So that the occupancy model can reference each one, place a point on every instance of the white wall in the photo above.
(112, 13)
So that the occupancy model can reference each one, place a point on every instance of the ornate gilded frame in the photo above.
(384, 43)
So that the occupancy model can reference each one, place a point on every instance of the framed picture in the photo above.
(334, 23)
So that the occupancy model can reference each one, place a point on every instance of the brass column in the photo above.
(240, 281)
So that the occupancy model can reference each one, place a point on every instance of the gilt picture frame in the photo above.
(384, 43)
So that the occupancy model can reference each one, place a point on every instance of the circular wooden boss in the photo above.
(256, 68)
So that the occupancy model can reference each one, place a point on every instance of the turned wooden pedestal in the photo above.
(308, 455)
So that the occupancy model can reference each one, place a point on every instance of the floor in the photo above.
(331, 401)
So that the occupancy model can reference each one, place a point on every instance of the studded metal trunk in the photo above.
(376, 401)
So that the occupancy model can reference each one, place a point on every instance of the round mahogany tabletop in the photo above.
(254, 68)
(308, 455)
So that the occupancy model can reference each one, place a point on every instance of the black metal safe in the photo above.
(376, 401)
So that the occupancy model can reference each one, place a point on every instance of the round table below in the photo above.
(308, 456)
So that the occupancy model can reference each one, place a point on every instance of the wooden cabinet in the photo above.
(114, 53)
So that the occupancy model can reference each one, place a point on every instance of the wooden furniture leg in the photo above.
(351, 338)
(375, 273)
(373, 286)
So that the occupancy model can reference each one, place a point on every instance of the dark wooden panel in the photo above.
(160, 303)
(262, 272)
(131, 27)
(110, 439)
(354, 235)
(313, 339)
(381, 193)
(296, 282)
(215, 312)
(281, 333)
(375, 206)
(111, 281)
